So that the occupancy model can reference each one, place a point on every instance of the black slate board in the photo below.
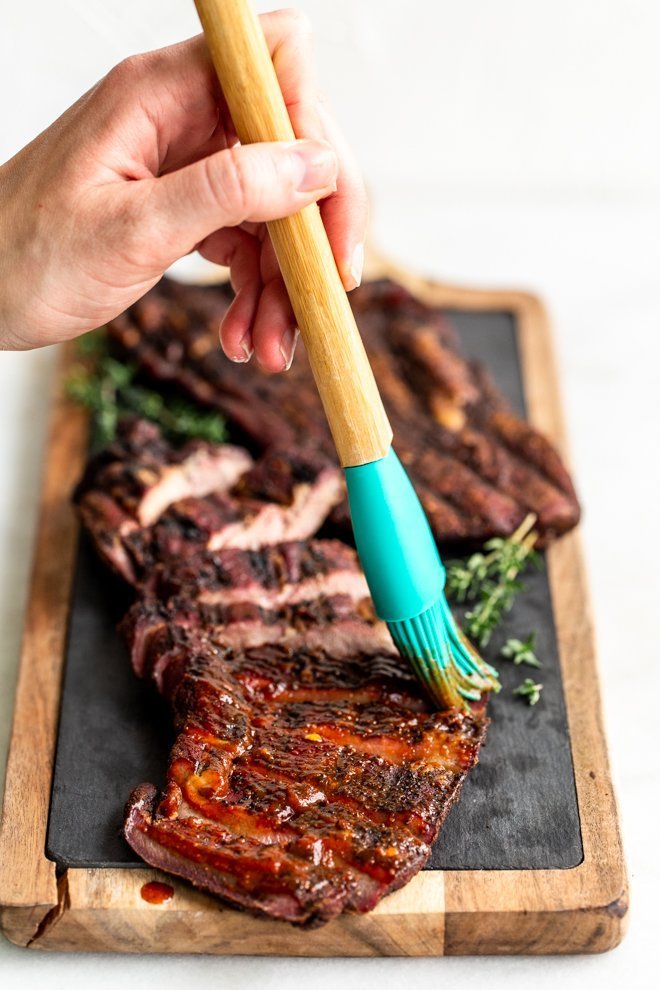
(517, 810)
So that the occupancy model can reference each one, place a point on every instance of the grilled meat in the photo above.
(309, 775)
(270, 578)
(478, 468)
(302, 783)
(144, 474)
(145, 502)
(152, 629)
(299, 593)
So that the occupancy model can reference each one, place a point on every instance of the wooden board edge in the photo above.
(535, 906)
(588, 903)
(103, 910)
(28, 884)
(452, 296)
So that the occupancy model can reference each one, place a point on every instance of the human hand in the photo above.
(144, 169)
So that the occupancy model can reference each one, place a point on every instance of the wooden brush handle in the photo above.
(341, 368)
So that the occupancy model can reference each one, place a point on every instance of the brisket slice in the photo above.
(145, 502)
(128, 485)
(144, 474)
(301, 783)
(309, 775)
(305, 592)
(276, 576)
(478, 468)
(153, 631)
(286, 593)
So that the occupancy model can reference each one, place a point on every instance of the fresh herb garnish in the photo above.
(521, 651)
(491, 579)
(528, 690)
(107, 387)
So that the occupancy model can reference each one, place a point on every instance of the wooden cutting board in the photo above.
(530, 860)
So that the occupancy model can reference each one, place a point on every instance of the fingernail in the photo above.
(288, 346)
(317, 166)
(245, 353)
(357, 264)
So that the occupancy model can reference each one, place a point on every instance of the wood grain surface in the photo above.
(582, 909)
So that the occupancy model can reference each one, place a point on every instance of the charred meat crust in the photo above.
(485, 469)
(309, 775)
(145, 502)
(302, 783)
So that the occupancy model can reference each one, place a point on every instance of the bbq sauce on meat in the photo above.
(310, 775)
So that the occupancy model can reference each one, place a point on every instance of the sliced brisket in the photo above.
(144, 474)
(309, 775)
(484, 469)
(145, 502)
(241, 598)
(302, 783)
(276, 576)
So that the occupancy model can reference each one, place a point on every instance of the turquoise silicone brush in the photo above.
(396, 547)
(406, 579)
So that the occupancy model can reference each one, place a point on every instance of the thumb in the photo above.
(254, 182)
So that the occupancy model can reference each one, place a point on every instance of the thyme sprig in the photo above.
(521, 651)
(528, 690)
(491, 579)
(108, 388)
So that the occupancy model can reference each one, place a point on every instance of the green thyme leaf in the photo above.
(528, 690)
(107, 387)
(490, 579)
(521, 651)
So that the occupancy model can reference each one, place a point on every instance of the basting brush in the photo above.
(395, 544)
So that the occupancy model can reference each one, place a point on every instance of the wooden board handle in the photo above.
(343, 375)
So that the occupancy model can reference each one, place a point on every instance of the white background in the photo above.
(505, 143)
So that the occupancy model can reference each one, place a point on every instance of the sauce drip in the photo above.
(156, 893)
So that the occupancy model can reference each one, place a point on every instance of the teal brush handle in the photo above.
(394, 540)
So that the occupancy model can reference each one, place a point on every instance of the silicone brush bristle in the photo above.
(405, 573)
(443, 659)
